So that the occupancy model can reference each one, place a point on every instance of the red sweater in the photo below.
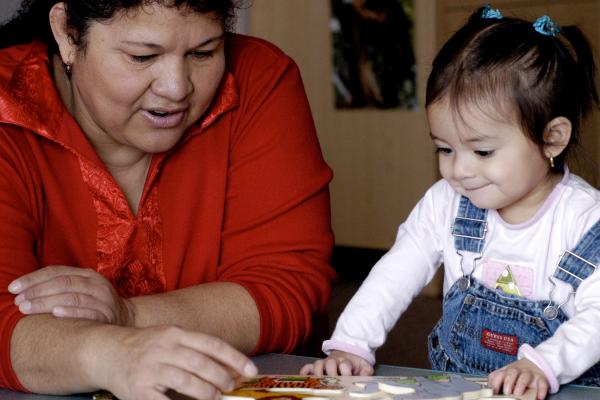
(243, 198)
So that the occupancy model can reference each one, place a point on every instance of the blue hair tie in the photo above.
(491, 13)
(546, 26)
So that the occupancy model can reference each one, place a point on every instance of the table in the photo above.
(285, 364)
(288, 364)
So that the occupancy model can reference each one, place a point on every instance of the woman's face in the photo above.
(145, 76)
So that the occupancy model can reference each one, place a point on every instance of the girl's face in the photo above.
(145, 76)
(490, 160)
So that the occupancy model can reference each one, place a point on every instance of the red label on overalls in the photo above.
(499, 342)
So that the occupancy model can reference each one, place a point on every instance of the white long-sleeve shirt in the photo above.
(531, 249)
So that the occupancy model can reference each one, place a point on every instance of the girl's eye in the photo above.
(141, 59)
(443, 150)
(202, 54)
(484, 153)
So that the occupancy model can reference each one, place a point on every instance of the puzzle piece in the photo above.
(399, 385)
(365, 390)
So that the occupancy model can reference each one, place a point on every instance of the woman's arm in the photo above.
(222, 309)
(61, 356)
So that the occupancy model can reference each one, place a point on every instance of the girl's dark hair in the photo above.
(506, 62)
(31, 21)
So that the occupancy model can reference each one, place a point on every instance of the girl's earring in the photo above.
(551, 162)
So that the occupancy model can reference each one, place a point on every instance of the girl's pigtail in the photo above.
(586, 68)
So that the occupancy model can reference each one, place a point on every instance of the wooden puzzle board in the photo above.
(430, 387)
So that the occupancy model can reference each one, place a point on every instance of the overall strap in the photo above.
(469, 227)
(580, 262)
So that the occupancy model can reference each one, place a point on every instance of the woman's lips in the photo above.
(164, 119)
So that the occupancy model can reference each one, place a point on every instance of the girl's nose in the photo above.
(462, 167)
(173, 81)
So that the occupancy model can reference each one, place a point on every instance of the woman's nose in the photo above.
(173, 81)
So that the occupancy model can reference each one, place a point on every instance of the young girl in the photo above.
(515, 231)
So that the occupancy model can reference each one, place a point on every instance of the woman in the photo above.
(163, 199)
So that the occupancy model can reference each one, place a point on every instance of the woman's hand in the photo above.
(517, 377)
(146, 363)
(71, 292)
(338, 363)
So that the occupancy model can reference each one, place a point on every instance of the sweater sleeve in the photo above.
(18, 233)
(394, 281)
(277, 237)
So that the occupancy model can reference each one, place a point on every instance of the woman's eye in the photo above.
(202, 54)
(443, 150)
(484, 153)
(141, 59)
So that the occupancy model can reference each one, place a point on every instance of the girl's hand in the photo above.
(71, 292)
(517, 377)
(141, 364)
(338, 363)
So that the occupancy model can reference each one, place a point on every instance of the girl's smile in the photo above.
(489, 160)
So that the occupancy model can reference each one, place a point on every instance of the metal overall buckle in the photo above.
(464, 282)
(551, 310)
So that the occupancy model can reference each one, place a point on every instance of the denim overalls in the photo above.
(481, 329)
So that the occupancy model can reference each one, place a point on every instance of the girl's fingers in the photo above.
(345, 368)
(495, 380)
(365, 369)
(522, 383)
(308, 369)
(331, 367)
(510, 377)
(542, 387)
(319, 368)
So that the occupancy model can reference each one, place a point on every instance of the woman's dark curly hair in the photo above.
(31, 21)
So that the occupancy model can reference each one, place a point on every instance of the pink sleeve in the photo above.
(330, 345)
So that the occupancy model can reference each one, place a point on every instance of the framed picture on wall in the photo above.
(373, 55)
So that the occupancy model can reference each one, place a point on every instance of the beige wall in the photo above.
(383, 160)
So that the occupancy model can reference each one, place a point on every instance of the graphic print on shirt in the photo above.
(511, 279)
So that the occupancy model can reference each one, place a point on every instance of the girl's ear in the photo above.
(64, 39)
(556, 136)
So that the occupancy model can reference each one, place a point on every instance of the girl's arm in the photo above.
(396, 279)
(575, 346)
